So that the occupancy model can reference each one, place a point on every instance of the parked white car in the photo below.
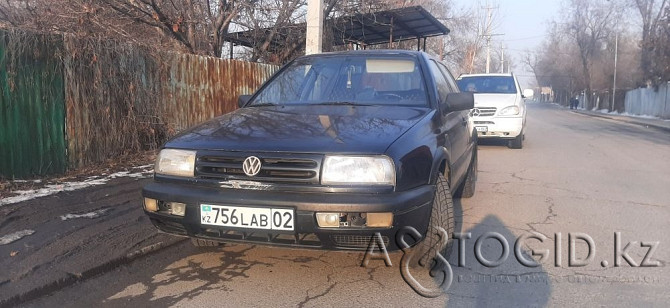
(500, 108)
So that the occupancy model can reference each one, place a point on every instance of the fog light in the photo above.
(380, 219)
(150, 205)
(328, 220)
(178, 209)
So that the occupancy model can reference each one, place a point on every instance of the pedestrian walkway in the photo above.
(647, 122)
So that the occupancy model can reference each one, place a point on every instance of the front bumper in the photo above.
(499, 127)
(410, 208)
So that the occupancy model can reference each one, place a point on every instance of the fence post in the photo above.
(665, 101)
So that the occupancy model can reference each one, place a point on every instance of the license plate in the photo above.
(482, 128)
(247, 217)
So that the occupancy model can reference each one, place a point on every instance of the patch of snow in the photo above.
(90, 215)
(23, 195)
(50, 189)
(27, 181)
(639, 116)
(144, 166)
(13, 237)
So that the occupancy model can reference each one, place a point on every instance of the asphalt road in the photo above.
(576, 174)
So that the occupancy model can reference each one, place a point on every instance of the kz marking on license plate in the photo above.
(247, 217)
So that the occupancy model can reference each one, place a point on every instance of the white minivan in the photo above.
(500, 108)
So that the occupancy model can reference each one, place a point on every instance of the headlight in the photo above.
(366, 170)
(511, 110)
(175, 162)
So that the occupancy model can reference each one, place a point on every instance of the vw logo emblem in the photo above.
(251, 166)
(476, 112)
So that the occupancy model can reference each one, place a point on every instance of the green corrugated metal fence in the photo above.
(32, 102)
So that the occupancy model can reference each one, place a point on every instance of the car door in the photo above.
(454, 124)
(469, 136)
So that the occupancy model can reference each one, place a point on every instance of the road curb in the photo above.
(629, 121)
(73, 278)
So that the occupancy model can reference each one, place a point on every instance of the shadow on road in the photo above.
(510, 284)
(492, 142)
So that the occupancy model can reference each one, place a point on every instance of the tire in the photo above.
(517, 143)
(204, 243)
(467, 189)
(442, 215)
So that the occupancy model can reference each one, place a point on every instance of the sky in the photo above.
(524, 23)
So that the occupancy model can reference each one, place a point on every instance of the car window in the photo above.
(449, 77)
(363, 80)
(440, 81)
(487, 84)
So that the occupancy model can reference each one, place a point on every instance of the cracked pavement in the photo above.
(576, 174)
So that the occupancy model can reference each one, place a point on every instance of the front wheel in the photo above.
(517, 143)
(441, 216)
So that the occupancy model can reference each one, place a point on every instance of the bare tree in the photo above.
(661, 67)
(651, 13)
(271, 21)
(589, 25)
(193, 26)
(199, 26)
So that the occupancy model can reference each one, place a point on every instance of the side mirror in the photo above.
(243, 100)
(458, 101)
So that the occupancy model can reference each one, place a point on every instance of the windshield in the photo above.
(487, 84)
(347, 80)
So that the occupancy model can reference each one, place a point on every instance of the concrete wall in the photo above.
(647, 101)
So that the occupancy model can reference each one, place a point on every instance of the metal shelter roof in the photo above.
(394, 25)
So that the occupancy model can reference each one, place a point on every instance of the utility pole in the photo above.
(472, 61)
(489, 20)
(314, 35)
(441, 48)
(616, 55)
(502, 58)
(488, 35)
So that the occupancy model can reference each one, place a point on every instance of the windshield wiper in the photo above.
(343, 103)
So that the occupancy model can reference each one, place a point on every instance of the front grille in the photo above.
(357, 241)
(484, 122)
(287, 168)
(486, 111)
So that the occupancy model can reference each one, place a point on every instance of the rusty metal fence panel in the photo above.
(32, 115)
(200, 88)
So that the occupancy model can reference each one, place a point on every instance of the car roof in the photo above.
(370, 52)
(484, 75)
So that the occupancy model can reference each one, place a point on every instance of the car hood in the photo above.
(495, 100)
(304, 129)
